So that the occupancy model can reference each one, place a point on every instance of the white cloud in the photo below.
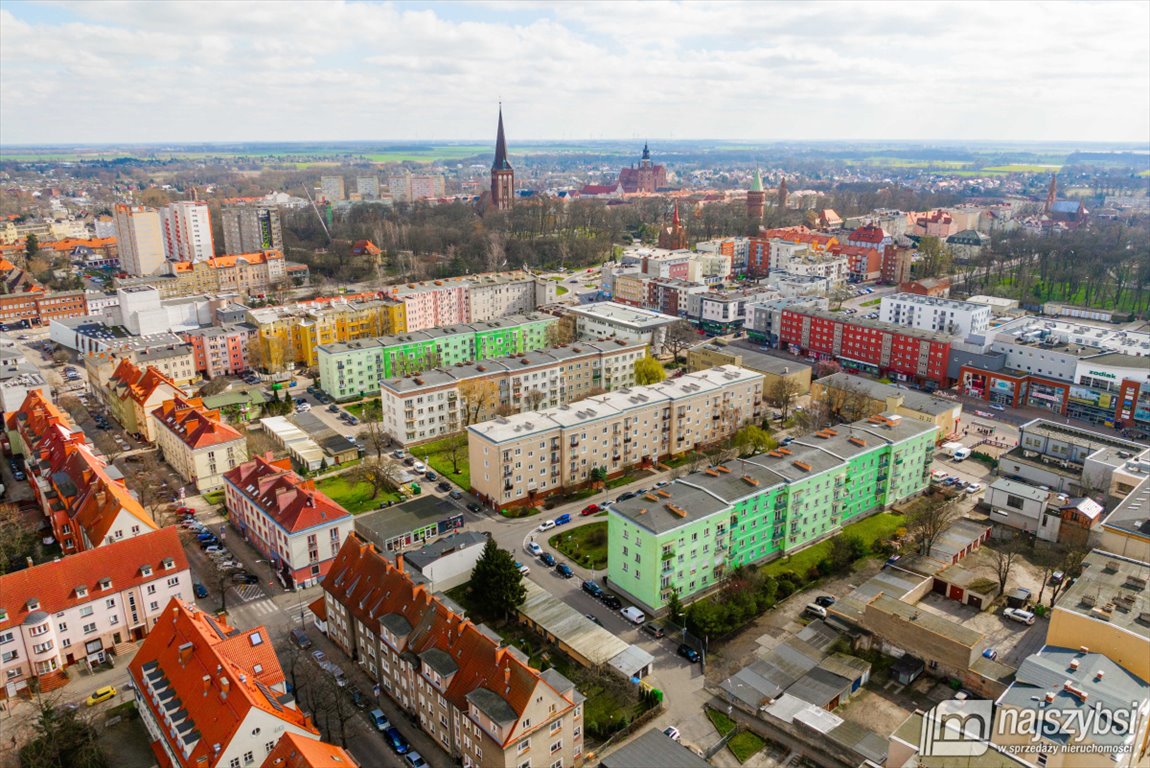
(118, 71)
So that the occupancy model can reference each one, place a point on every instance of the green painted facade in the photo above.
(355, 369)
(762, 508)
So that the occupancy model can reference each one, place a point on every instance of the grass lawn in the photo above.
(560, 290)
(437, 455)
(371, 405)
(586, 545)
(214, 497)
(870, 303)
(742, 745)
(352, 495)
(874, 528)
(625, 478)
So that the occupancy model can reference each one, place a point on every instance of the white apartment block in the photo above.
(331, 188)
(140, 239)
(367, 187)
(929, 313)
(529, 455)
(79, 608)
(435, 403)
(493, 296)
(187, 231)
(608, 320)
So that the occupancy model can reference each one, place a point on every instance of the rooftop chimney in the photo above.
(207, 684)
(225, 686)
(185, 651)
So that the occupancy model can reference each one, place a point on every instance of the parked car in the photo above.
(633, 614)
(473, 507)
(443, 487)
(1057, 577)
(357, 697)
(185, 511)
(826, 601)
(414, 760)
(592, 588)
(431, 476)
(592, 509)
(786, 441)
(245, 578)
(671, 732)
(1019, 615)
(654, 630)
(974, 488)
(688, 653)
(199, 590)
(299, 639)
(396, 741)
(593, 618)
(563, 519)
(622, 497)
(564, 570)
(333, 408)
(409, 461)
(419, 466)
(379, 720)
(546, 525)
(101, 694)
(611, 601)
(547, 559)
(455, 494)
(533, 549)
(816, 610)
(522, 568)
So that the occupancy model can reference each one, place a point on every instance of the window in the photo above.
(174, 581)
(235, 763)
(89, 628)
(556, 746)
(523, 746)
(249, 758)
(151, 590)
(86, 611)
(269, 746)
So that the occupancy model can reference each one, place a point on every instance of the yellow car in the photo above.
(101, 694)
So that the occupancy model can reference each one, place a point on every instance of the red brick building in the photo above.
(40, 308)
(865, 262)
(928, 286)
(896, 262)
(869, 346)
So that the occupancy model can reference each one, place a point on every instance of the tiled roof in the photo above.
(257, 257)
(294, 751)
(868, 234)
(195, 425)
(196, 658)
(128, 381)
(283, 495)
(54, 584)
(99, 498)
(489, 674)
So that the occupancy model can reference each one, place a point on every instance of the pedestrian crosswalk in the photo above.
(262, 607)
(249, 592)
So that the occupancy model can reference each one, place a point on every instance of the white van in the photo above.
(633, 614)
(814, 609)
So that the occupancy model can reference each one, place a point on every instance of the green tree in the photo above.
(61, 740)
(649, 371)
(496, 584)
(598, 475)
(845, 549)
(675, 607)
(31, 246)
(753, 439)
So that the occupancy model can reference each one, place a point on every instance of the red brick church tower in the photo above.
(1051, 194)
(674, 237)
(756, 199)
(502, 177)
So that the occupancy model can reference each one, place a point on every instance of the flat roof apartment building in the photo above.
(530, 455)
(355, 368)
(445, 400)
(927, 313)
(685, 537)
(606, 319)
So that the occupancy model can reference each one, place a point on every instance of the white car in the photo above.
(1025, 617)
(546, 525)
(303, 407)
(671, 732)
(974, 488)
(419, 466)
(534, 549)
(633, 614)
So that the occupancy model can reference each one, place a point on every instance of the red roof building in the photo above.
(132, 394)
(296, 527)
(869, 346)
(486, 705)
(197, 443)
(293, 751)
(80, 608)
(210, 695)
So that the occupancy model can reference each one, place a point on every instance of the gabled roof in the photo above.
(283, 495)
(868, 233)
(54, 584)
(99, 497)
(129, 382)
(487, 674)
(257, 257)
(196, 660)
(295, 751)
(196, 426)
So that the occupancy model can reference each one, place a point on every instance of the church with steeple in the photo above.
(647, 178)
(502, 176)
(674, 237)
(756, 199)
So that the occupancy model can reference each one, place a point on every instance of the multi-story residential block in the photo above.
(742, 354)
(140, 236)
(294, 333)
(407, 187)
(475, 696)
(86, 502)
(777, 248)
(529, 455)
(609, 320)
(79, 609)
(671, 296)
(863, 263)
(445, 400)
(294, 526)
(175, 361)
(927, 313)
(211, 696)
(131, 393)
(870, 346)
(187, 230)
(764, 319)
(221, 350)
(471, 299)
(39, 307)
(685, 537)
(249, 273)
(790, 285)
(870, 236)
(331, 188)
(252, 228)
(722, 312)
(357, 367)
(896, 264)
(631, 289)
(842, 387)
(367, 187)
(196, 443)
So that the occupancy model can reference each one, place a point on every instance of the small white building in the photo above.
(606, 319)
(445, 563)
(929, 313)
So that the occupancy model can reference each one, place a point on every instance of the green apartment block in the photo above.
(687, 535)
(353, 369)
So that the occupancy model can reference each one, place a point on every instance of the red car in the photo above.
(185, 511)
(590, 509)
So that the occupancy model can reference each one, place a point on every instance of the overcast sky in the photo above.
(168, 71)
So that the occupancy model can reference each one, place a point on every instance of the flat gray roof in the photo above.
(1132, 514)
(428, 554)
(384, 524)
(560, 620)
(1019, 489)
(652, 749)
(1111, 580)
(876, 390)
(875, 324)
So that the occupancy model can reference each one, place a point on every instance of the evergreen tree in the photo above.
(496, 584)
(62, 739)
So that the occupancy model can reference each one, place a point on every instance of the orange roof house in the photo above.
(132, 394)
(293, 751)
(211, 693)
(374, 609)
(196, 442)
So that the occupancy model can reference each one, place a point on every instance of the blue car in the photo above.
(564, 570)
(396, 741)
(562, 519)
(199, 590)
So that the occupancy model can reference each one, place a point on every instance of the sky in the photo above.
(110, 71)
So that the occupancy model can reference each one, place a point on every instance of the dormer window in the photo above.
(33, 604)
(3, 614)
(82, 590)
(105, 583)
(145, 570)
(168, 563)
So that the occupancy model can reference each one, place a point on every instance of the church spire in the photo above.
(675, 218)
(757, 182)
(500, 163)
(646, 152)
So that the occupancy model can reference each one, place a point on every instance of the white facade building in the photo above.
(140, 239)
(187, 231)
(606, 319)
(928, 313)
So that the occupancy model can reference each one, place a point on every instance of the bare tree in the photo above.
(532, 398)
(150, 483)
(456, 449)
(260, 443)
(19, 538)
(373, 433)
(681, 335)
(928, 521)
(559, 333)
(838, 295)
(379, 474)
(476, 397)
(781, 394)
(107, 445)
(1004, 557)
(1071, 567)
